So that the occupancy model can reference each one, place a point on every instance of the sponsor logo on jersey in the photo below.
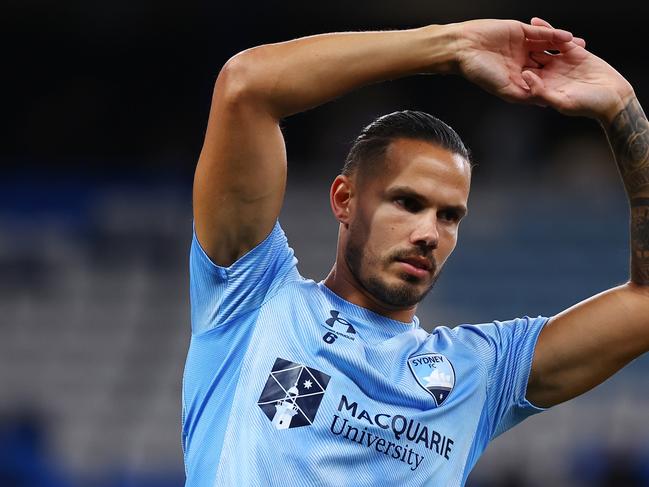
(435, 373)
(337, 326)
(396, 436)
(292, 394)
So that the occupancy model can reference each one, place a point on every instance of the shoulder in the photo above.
(293, 289)
(493, 339)
(490, 330)
(220, 294)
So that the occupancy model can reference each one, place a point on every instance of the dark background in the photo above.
(104, 109)
(130, 81)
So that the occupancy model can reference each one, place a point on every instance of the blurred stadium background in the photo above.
(105, 105)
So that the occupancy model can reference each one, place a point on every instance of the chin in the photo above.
(399, 295)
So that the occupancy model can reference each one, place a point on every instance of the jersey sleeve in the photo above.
(506, 349)
(219, 295)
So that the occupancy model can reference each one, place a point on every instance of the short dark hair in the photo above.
(374, 139)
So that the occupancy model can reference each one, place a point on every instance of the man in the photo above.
(291, 382)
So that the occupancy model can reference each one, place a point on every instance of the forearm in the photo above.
(293, 76)
(587, 343)
(628, 134)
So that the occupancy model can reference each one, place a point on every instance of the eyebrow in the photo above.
(408, 192)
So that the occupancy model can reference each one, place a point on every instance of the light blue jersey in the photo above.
(288, 384)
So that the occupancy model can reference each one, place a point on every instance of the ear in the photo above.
(340, 197)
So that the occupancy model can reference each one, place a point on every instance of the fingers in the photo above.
(538, 22)
(542, 52)
(538, 94)
(542, 32)
(532, 80)
(535, 84)
(541, 58)
(540, 46)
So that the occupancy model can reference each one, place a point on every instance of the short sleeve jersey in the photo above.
(286, 383)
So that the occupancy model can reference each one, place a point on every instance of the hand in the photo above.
(575, 81)
(494, 53)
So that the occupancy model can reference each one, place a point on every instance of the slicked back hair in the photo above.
(368, 150)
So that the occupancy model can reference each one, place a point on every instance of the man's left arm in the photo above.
(587, 343)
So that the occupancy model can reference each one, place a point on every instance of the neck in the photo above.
(345, 285)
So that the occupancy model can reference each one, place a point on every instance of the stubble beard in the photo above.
(398, 296)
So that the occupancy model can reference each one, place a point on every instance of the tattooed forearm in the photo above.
(640, 240)
(629, 138)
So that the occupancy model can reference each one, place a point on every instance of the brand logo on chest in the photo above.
(434, 373)
(338, 326)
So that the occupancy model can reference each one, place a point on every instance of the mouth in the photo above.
(417, 266)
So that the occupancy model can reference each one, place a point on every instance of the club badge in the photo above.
(434, 373)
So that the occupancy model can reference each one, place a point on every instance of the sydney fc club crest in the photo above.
(434, 373)
(292, 394)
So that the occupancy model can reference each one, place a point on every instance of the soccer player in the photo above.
(293, 382)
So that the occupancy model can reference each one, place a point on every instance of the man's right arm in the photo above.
(241, 174)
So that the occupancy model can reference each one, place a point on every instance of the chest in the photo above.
(409, 397)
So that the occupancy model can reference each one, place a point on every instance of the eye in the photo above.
(450, 216)
(409, 204)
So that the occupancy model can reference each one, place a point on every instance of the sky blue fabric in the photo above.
(286, 383)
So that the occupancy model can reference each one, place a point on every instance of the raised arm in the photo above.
(584, 345)
(241, 174)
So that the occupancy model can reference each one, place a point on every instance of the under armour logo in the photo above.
(336, 318)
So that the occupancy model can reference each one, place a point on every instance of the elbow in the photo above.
(239, 80)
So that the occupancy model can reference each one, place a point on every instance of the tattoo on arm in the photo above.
(629, 138)
(640, 240)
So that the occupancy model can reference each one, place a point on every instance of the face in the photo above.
(403, 222)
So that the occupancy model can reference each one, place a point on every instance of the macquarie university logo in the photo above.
(434, 373)
(292, 394)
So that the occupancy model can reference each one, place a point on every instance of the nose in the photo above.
(426, 233)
